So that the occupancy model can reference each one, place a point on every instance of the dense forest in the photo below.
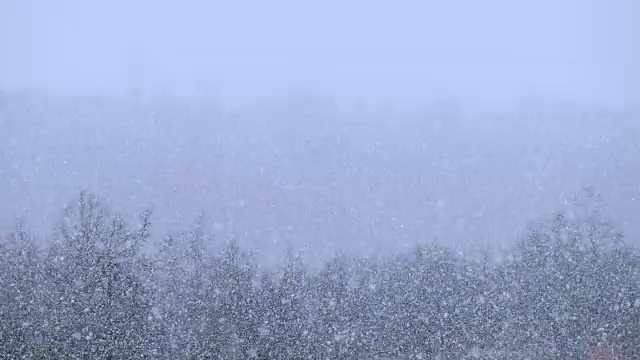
(99, 289)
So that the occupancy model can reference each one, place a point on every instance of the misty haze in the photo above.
(319, 180)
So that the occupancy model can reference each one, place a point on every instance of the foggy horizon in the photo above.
(305, 175)
(359, 125)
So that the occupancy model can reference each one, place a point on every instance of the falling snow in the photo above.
(460, 181)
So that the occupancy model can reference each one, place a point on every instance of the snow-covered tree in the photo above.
(97, 305)
(21, 294)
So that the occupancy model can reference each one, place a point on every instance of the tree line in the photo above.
(95, 291)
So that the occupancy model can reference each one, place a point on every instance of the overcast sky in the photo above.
(303, 171)
(482, 51)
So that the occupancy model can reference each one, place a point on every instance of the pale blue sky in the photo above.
(491, 50)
